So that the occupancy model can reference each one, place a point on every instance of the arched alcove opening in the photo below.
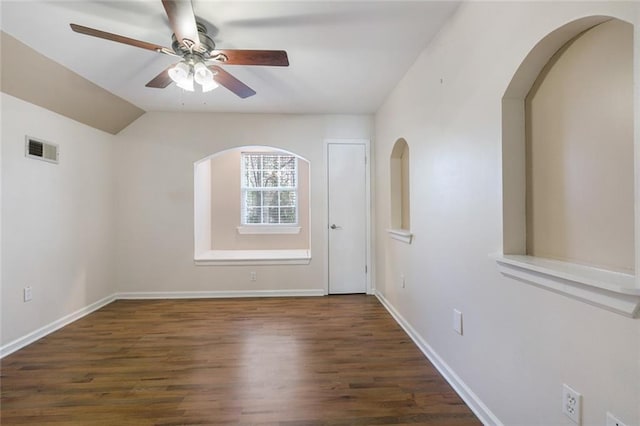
(399, 188)
(579, 152)
(561, 169)
(252, 205)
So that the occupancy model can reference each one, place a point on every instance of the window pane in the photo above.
(273, 216)
(288, 178)
(287, 162)
(251, 161)
(270, 198)
(247, 161)
(287, 198)
(270, 179)
(287, 215)
(270, 162)
(253, 199)
(252, 179)
(254, 215)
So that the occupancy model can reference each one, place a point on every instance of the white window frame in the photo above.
(267, 228)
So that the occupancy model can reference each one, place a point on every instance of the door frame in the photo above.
(368, 246)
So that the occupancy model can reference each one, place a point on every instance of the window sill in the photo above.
(253, 257)
(267, 229)
(401, 235)
(614, 291)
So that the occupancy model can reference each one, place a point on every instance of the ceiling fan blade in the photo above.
(275, 58)
(121, 39)
(162, 80)
(230, 82)
(183, 22)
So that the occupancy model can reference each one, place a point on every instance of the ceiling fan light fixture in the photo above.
(208, 86)
(204, 77)
(180, 72)
(201, 73)
(186, 83)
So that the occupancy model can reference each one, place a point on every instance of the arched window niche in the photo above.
(399, 188)
(568, 190)
(252, 207)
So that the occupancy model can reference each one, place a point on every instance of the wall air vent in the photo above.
(41, 150)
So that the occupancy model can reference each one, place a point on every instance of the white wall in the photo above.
(154, 175)
(57, 220)
(520, 342)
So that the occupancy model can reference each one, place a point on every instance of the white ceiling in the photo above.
(345, 56)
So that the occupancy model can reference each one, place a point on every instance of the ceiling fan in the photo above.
(199, 57)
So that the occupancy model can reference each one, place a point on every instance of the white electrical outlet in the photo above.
(612, 421)
(402, 281)
(457, 321)
(27, 294)
(253, 276)
(572, 404)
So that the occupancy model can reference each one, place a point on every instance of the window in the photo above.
(269, 189)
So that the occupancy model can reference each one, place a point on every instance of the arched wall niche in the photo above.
(514, 134)
(219, 236)
(612, 290)
(400, 191)
(579, 156)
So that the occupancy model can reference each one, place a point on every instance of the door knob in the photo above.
(334, 226)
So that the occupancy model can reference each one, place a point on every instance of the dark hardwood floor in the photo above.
(338, 360)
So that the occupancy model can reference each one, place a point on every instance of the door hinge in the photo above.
(365, 269)
(365, 159)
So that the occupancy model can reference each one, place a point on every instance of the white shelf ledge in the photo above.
(614, 291)
(401, 235)
(253, 257)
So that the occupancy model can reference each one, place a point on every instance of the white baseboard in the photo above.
(23, 341)
(471, 399)
(217, 294)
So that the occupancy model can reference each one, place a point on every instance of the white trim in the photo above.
(253, 257)
(218, 294)
(401, 235)
(614, 291)
(267, 229)
(367, 148)
(27, 339)
(468, 396)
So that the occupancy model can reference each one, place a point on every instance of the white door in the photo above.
(347, 218)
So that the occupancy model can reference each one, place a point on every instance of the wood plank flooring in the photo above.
(338, 360)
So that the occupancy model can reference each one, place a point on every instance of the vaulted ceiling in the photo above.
(345, 57)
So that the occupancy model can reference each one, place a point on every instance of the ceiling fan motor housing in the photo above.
(206, 44)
